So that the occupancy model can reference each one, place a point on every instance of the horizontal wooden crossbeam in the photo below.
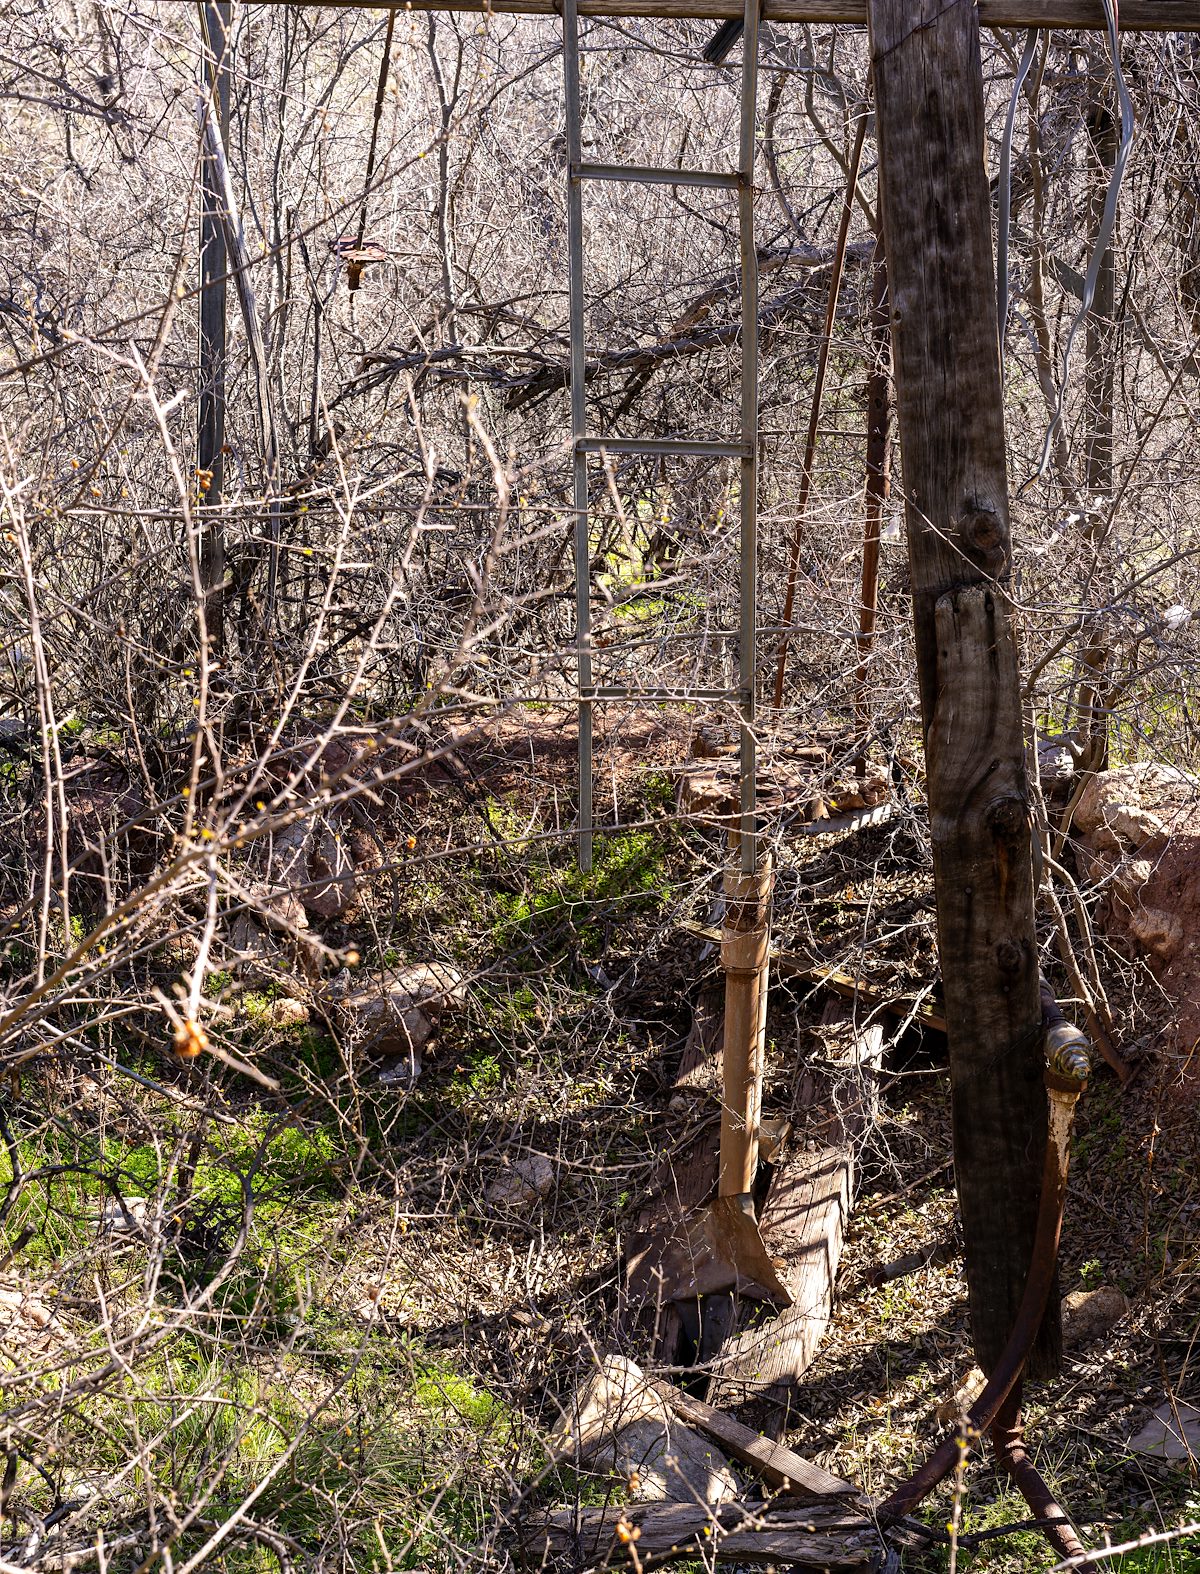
(1144, 16)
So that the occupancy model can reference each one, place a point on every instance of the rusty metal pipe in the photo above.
(745, 943)
(1067, 1064)
(1008, 1440)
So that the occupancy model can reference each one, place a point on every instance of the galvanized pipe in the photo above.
(748, 499)
(583, 577)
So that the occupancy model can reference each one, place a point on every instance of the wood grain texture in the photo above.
(979, 826)
(1159, 16)
(803, 1225)
(683, 1181)
(936, 213)
(815, 1536)
(776, 1465)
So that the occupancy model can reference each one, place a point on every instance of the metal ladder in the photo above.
(745, 448)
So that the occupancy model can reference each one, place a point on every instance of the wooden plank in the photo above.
(819, 1535)
(1145, 16)
(777, 1465)
(790, 965)
(683, 1182)
(700, 1061)
(936, 211)
(803, 1225)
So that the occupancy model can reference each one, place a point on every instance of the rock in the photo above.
(1136, 807)
(397, 1013)
(402, 1072)
(964, 1397)
(331, 865)
(1087, 1314)
(851, 795)
(1055, 761)
(255, 950)
(272, 935)
(1172, 1432)
(281, 911)
(16, 1307)
(122, 1216)
(101, 798)
(1140, 826)
(1160, 932)
(286, 1013)
(619, 1424)
(29, 1328)
(522, 1183)
(311, 863)
(179, 951)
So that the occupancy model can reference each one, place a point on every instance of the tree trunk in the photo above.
(1099, 387)
(936, 217)
(214, 269)
(875, 493)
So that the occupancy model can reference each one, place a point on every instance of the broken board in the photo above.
(803, 1224)
(685, 1180)
(812, 1535)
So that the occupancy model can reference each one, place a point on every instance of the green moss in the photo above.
(629, 868)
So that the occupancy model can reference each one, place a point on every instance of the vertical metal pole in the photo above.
(583, 636)
(747, 826)
(214, 281)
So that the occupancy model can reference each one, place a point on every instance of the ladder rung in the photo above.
(663, 445)
(594, 696)
(648, 175)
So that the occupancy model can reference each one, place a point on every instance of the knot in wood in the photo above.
(1007, 817)
(1010, 957)
(984, 535)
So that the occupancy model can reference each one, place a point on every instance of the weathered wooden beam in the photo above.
(815, 1535)
(239, 261)
(935, 207)
(778, 1466)
(803, 1222)
(1145, 16)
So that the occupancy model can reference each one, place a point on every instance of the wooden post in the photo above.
(936, 214)
(214, 271)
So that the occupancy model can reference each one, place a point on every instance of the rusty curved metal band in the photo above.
(1008, 1441)
(1067, 1067)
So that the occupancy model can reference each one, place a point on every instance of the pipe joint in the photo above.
(1068, 1054)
